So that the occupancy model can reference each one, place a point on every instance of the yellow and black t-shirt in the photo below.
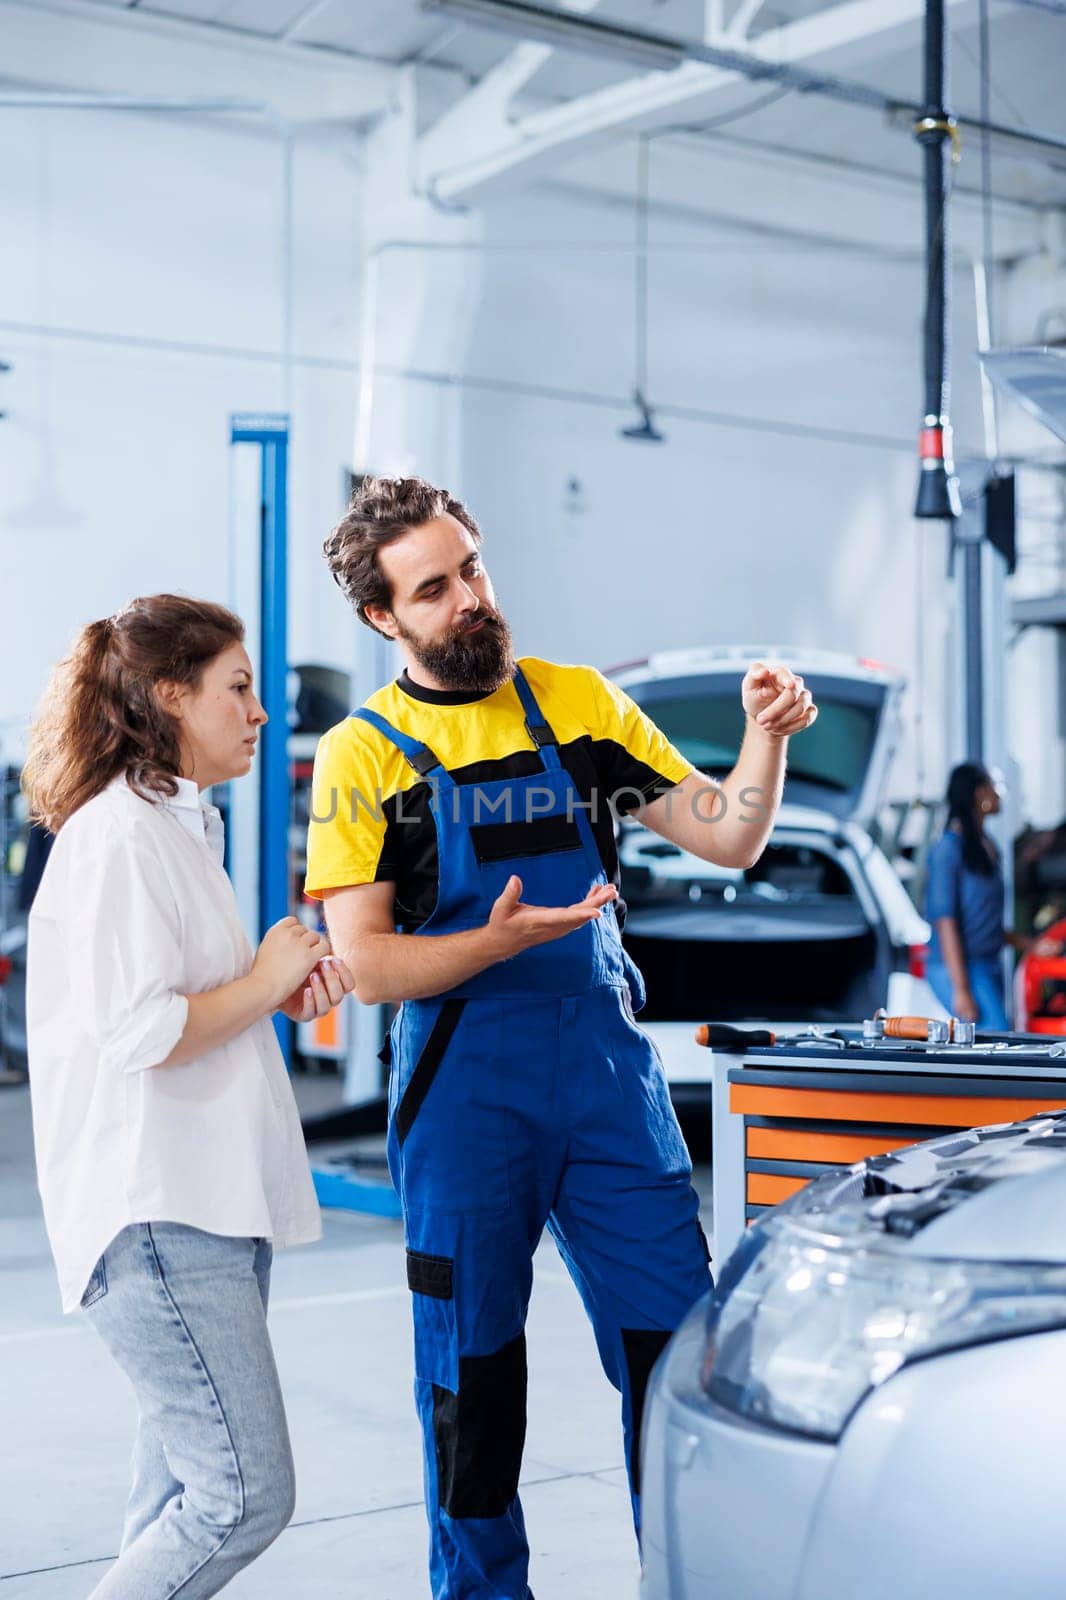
(371, 818)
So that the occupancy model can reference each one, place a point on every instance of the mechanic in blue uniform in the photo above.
(964, 904)
(462, 840)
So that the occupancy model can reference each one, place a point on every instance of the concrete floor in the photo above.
(340, 1320)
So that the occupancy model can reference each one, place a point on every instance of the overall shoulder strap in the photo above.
(537, 727)
(420, 756)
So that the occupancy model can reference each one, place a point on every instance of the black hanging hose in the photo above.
(938, 495)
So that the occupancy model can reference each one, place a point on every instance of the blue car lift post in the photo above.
(338, 1184)
(271, 434)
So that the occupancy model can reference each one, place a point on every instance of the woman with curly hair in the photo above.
(169, 1152)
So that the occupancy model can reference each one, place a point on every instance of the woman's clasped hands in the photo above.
(299, 972)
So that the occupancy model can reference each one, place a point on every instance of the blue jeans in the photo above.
(184, 1315)
(986, 986)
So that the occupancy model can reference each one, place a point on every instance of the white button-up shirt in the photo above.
(135, 912)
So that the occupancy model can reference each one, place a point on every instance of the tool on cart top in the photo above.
(911, 1034)
(927, 1030)
(719, 1036)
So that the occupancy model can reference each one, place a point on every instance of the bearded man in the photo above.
(463, 841)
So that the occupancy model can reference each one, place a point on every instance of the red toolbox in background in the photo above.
(1042, 984)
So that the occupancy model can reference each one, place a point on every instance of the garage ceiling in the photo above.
(1028, 68)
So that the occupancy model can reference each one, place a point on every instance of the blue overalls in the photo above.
(526, 1096)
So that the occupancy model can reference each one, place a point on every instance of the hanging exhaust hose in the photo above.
(937, 489)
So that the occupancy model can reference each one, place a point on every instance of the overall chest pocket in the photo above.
(450, 1124)
(509, 841)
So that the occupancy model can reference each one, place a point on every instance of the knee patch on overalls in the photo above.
(480, 1432)
(643, 1347)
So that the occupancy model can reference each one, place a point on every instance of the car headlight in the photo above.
(804, 1323)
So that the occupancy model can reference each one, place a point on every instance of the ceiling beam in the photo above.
(450, 139)
(713, 18)
(742, 19)
(61, 44)
(509, 151)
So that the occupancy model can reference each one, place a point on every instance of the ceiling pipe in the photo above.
(666, 52)
(644, 430)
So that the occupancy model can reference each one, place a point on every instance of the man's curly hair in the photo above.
(381, 510)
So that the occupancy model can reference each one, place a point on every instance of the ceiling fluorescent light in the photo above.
(589, 35)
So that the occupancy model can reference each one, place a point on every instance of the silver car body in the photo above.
(946, 1477)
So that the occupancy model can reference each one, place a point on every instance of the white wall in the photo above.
(726, 533)
(140, 304)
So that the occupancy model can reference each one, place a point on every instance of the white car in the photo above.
(871, 1402)
(821, 930)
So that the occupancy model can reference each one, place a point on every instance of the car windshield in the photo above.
(702, 717)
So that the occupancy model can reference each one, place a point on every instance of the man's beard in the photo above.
(482, 661)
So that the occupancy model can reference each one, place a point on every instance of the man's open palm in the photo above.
(524, 926)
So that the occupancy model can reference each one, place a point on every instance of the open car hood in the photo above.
(987, 1194)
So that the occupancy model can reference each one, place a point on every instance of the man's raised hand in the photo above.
(777, 700)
